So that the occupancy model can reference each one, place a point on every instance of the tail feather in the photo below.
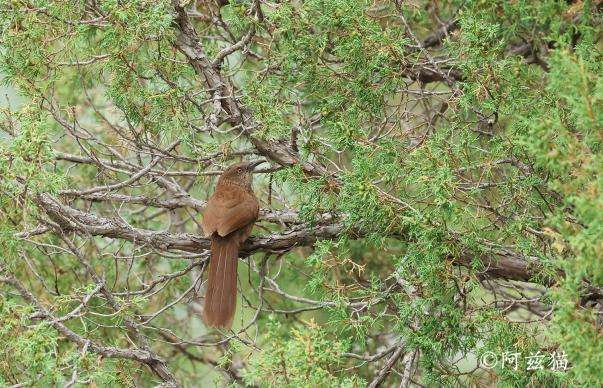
(221, 293)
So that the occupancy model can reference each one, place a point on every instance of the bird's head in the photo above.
(240, 173)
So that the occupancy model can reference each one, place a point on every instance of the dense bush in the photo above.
(434, 200)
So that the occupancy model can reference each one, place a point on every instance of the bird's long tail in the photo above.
(221, 292)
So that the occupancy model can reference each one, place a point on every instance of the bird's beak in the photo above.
(253, 165)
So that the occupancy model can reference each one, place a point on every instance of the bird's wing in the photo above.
(239, 216)
(227, 211)
(217, 205)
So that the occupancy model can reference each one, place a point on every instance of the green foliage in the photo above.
(569, 149)
(25, 171)
(300, 357)
(37, 356)
(32, 352)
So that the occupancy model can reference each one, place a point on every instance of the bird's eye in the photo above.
(239, 170)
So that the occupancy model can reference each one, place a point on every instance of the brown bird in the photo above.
(228, 219)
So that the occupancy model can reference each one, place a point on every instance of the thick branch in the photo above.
(512, 267)
(89, 224)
